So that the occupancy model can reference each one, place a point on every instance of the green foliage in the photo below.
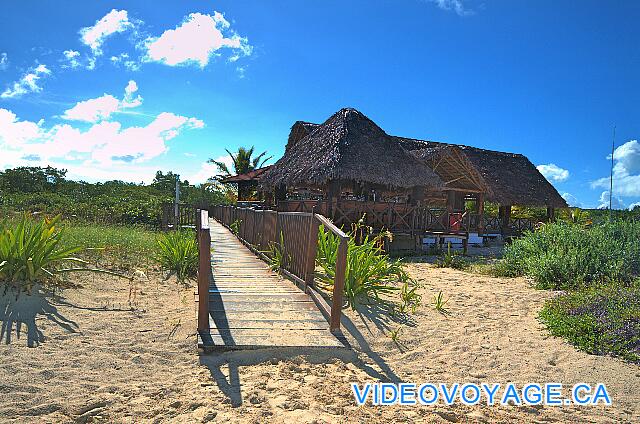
(601, 319)
(451, 260)
(46, 191)
(235, 227)
(575, 216)
(277, 259)
(113, 246)
(33, 253)
(409, 297)
(177, 252)
(439, 303)
(369, 272)
(243, 161)
(29, 179)
(395, 334)
(566, 256)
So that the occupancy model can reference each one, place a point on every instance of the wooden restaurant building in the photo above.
(348, 167)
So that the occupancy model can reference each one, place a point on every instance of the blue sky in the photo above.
(120, 89)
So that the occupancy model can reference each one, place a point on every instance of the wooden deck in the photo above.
(251, 306)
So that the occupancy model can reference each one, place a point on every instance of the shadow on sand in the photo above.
(373, 364)
(19, 310)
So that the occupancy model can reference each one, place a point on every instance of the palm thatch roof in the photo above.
(511, 178)
(300, 130)
(453, 167)
(348, 147)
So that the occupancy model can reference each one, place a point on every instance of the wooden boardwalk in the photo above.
(251, 306)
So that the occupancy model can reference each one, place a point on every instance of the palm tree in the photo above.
(243, 162)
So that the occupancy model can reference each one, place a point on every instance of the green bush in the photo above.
(34, 253)
(602, 319)
(177, 252)
(451, 259)
(567, 256)
(369, 272)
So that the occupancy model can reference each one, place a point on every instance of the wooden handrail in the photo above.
(341, 266)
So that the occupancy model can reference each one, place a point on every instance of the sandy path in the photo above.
(140, 365)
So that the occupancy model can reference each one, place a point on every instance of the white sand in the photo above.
(141, 365)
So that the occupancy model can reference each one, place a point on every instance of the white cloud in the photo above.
(15, 133)
(209, 170)
(27, 83)
(4, 61)
(102, 145)
(616, 202)
(572, 200)
(113, 22)
(194, 41)
(71, 56)
(626, 171)
(453, 5)
(124, 60)
(553, 172)
(627, 158)
(101, 108)
(634, 205)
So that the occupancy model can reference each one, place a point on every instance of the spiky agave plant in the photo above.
(177, 252)
(33, 253)
(369, 272)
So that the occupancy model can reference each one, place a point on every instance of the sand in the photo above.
(97, 356)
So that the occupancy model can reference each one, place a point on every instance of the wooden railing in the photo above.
(185, 217)
(403, 218)
(295, 236)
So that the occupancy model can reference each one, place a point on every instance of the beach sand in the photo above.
(100, 356)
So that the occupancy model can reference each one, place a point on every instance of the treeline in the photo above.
(47, 191)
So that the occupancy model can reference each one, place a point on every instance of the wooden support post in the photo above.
(551, 214)
(338, 287)
(505, 217)
(204, 269)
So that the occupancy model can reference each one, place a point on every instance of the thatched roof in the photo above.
(299, 130)
(348, 147)
(255, 175)
(453, 167)
(510, 177)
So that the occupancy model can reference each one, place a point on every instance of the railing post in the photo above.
(204, 269)
(312, 248)
(338, 286)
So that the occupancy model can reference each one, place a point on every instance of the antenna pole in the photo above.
(613, 146)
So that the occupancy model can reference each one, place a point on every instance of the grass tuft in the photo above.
(177, 252)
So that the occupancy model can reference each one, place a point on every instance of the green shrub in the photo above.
(451, 260)
(177, 252)
(277, 259)
(602, 319)
(34, 253)
(235, 226)
(369, 272)
(567, 256)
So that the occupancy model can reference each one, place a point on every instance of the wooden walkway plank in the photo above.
(251, 306)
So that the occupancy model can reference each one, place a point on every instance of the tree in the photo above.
(31, 179)
(243, 162)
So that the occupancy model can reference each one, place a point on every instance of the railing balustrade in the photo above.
(295, 235)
